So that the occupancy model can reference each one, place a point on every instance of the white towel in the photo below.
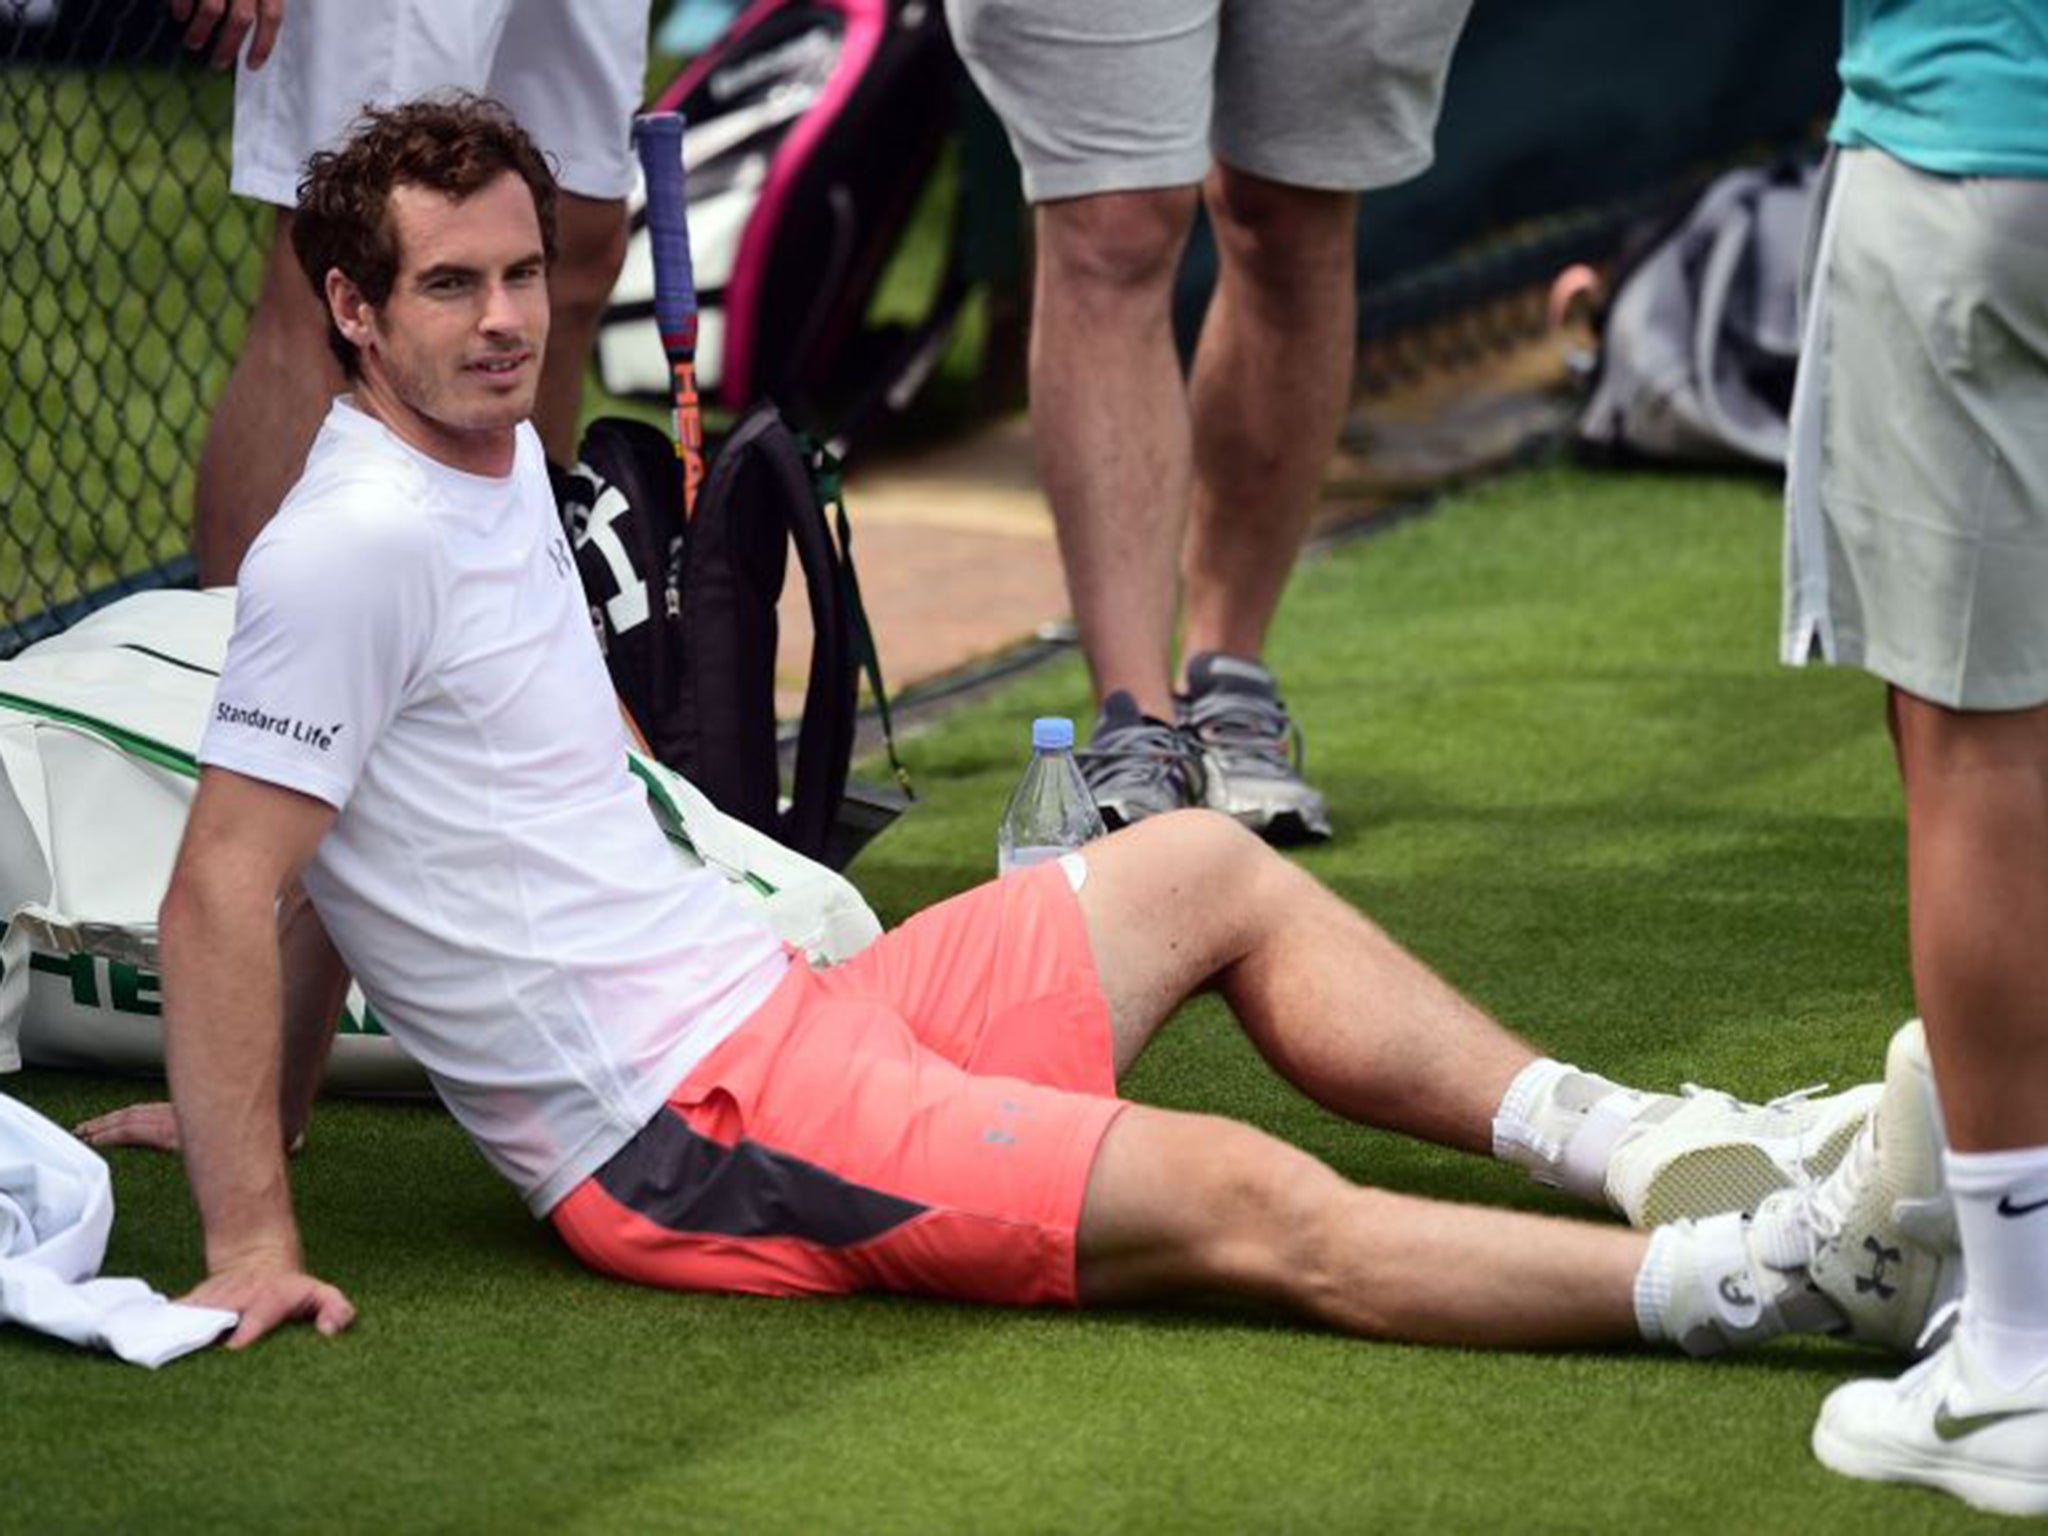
(56, 1207)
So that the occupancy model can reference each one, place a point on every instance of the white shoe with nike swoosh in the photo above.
(1948, 1424)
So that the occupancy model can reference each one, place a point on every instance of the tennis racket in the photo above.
(659, 138)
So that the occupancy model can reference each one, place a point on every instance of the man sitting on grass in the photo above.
(413, 720)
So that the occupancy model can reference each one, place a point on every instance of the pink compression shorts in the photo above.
(921, 1118)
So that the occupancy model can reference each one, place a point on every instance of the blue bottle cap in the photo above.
(1052, 733)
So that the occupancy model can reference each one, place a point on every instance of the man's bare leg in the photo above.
(1271, 379)
(1110, 415)
(1188, 1205)
(1190, 901)
(265, 420)
(1342, 1011)
(591, 245)
(1977, 839)
(1181, 1204)
(1977, 874)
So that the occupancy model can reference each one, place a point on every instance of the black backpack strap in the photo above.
(824, 741)
(828, 485)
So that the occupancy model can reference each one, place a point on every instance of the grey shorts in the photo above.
(1124, 95)
(1917, 493)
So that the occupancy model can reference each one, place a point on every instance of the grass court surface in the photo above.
(1566, 769)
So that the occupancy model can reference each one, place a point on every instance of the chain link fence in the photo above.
(128, 272)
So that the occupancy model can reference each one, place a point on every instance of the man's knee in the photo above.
(1288, 1229)
(1284, 236)
(1116, 242)
(1936, 740)
(1202, 849)
(1182, 1203)
(1212, 836)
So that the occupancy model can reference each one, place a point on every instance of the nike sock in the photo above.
(1725, 1283)
(2002, 1216)
(1563, 1125)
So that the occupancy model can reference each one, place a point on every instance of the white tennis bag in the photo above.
(98, 727)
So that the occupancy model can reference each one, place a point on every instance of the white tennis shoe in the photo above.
(1945, 1423)
(1728, 1282)
(1714, 1153)
(1885, 1249)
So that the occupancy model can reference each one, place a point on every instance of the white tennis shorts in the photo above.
(1917, 494)
(572, 74)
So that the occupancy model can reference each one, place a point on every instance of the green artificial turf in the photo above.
(1566, 769)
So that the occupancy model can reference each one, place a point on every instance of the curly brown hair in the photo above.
(455, 143)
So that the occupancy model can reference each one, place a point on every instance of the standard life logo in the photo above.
(303, 731)
(119, 987)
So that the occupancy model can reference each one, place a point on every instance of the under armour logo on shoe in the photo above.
(1735, 1293)
(1881, 1259)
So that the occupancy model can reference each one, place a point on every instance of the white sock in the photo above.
(1726, 1283)
(1563, 1125)
(1653, 1286)
(2002, 1216)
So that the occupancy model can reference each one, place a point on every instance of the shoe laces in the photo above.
(1250, 731)
(1135, 754)
(1782, 1104)
(1827, 1201)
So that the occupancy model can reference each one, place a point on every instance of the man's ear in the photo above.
(351, 311)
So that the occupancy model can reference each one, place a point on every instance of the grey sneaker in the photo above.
(1251, 749)
(1136, 766)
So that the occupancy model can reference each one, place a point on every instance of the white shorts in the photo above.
(1340, 95)
(572, 74)
(1917, 493)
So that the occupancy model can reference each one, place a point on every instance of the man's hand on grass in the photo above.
(153, 1125)
(267, 1295)
(135, 1125)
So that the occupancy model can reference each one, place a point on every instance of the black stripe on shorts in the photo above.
(686, 1182)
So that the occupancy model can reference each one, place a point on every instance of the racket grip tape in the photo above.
(658, 136)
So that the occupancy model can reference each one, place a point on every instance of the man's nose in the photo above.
(501, 308)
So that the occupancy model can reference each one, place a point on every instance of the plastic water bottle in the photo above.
(1052, 811)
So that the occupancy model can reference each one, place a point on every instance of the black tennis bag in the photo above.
(815, 133)
(686, 616)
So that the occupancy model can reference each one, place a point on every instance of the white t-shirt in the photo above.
(412, 646)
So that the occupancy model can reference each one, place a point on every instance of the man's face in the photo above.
(454, 353)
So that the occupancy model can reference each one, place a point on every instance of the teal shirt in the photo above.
(1954, 86)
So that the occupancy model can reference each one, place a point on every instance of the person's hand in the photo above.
(227, 23)
(153, 1125)
(266, 1295)
(136, 1125)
